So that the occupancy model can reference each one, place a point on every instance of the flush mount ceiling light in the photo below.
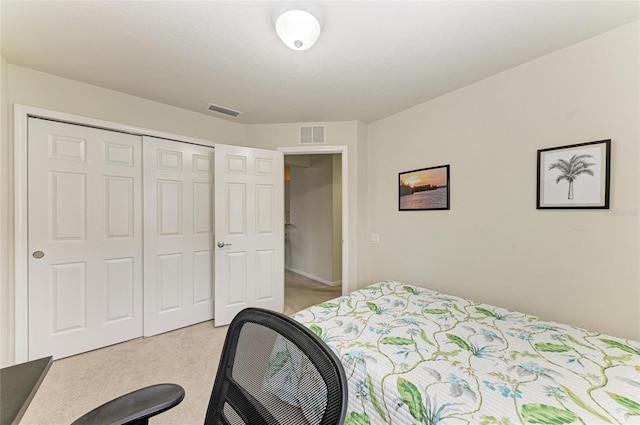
(298, 29)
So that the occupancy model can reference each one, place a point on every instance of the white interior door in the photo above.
(178, 237)
(85, 238)
(249, 229)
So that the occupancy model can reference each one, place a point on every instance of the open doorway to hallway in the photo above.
(313, 229)
(301, 292)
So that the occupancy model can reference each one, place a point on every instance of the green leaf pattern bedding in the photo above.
(416, 356)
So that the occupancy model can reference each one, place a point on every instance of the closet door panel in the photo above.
(85, 238)
(179, 269)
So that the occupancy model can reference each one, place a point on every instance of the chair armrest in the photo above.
(135, 407)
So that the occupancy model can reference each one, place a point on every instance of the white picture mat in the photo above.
(587, 190)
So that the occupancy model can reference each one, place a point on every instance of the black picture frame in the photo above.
(574, 176)
(424, 189)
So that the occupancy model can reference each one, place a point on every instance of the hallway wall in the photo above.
(311, 246)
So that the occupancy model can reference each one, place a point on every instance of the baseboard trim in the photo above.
(316, 278)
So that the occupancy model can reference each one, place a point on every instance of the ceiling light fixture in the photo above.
(298, 29)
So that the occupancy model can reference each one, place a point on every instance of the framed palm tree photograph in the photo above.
(574, 176)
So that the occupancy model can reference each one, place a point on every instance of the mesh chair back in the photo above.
(274, 370)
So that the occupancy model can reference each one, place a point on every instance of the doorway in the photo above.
(316, 252)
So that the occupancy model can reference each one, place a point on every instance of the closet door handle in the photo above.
(222, 244)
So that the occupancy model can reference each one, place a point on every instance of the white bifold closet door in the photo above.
(178, 234)
(249, 227)
(85, 238)
(122, 231)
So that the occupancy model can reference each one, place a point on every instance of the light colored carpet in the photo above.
(302, 292)
(188, 357)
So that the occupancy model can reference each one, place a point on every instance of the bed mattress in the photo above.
(413, 355)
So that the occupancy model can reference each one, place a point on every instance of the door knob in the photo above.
(38, 254)
(222, 244)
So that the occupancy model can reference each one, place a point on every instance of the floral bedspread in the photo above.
(416, 356)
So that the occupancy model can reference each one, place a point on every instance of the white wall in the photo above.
(33, 88)
(5, 173)
(346, 133)
(311, 201)
(574, 266)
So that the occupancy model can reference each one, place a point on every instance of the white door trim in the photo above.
(21, 260)
(343, 150)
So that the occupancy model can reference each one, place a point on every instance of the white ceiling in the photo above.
(373, 58)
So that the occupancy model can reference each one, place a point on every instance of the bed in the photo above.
(413, 355)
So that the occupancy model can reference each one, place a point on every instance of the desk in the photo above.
(18, 385)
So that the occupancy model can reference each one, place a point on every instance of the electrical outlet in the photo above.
(375, 238)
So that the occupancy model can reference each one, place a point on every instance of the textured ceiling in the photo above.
(373, 59)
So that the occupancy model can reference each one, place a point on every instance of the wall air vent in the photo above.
(312, 135)
(222, 110)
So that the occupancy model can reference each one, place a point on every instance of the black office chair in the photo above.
(273, 370)
(136, 407)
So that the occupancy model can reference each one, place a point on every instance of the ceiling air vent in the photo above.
(312, 135)
(222, 110)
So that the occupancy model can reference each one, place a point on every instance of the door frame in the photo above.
(343, 151)
(21, 115)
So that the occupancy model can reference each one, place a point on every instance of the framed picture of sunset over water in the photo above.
(424, 189)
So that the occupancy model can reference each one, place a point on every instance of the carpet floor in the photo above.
(188, 357)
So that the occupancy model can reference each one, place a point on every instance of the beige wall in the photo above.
(336, 274)
(363, 196)
(345, 133)
(575, 266)
(33, 88)
(311, 200)
(5, 173)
